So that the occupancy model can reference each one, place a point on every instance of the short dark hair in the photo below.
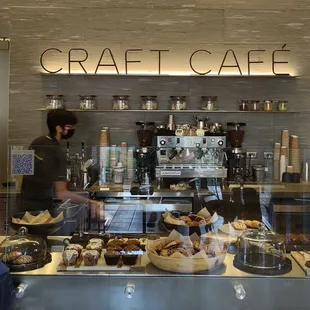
(59, 117)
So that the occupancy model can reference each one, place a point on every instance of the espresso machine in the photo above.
(236, 155)
(191, 157)
(145, 155)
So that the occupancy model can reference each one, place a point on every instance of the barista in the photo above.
(49, 180)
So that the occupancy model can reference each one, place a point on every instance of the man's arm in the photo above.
(62, 192)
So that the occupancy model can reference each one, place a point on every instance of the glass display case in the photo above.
(159, 228)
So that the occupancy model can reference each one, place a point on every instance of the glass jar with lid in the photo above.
(254, 105)
(178, 103)
(243, 105)
(55, 102)
(120, 102)
(149, 103)
(282, 105)
(268, 105)
(87, 102)
(209, 103)
(261, 251)
(23, 251)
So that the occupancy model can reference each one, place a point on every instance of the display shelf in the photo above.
(175, 111)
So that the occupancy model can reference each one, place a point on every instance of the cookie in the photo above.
(23, 259)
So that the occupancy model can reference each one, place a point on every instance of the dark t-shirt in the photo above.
(49, 167)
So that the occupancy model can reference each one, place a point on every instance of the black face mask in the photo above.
(70, 133)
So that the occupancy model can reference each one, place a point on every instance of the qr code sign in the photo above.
(22, 162)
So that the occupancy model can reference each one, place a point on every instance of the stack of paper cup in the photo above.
(282, 166)
(130, 164)
(104, 154)
(289, 169)
(294, 142)
(295, 159)
(285, 139)
(285, 151)
(123, 154)
(276, 161)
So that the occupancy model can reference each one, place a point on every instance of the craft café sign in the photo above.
(164, 61)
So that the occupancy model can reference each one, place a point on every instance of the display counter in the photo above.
(148, 287)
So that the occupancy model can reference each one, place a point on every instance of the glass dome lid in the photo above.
(23, 249)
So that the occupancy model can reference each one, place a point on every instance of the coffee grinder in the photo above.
(146, 154)
(236, 155)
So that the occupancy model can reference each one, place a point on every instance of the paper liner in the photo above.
(170, 219)
(43, 218)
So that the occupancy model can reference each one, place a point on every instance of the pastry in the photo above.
(252, 224)
(132, 248)
(112, 257)
(76, 247)
(96, 240)
(116, 248)
(23, 259)
(70, 257)
(307, 264)
(90, 257)
(94, 246)
(13, 255)
(132, 241)
(118, 242)
(240, 225)
(129, 259)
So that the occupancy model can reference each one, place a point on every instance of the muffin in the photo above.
(112, 257)
(116, 242)
(132, 241)
(94, 246)
(132, 249)
(129, 259)
(70, 257)
(96, 240)
(76, 247)
(90, 257)
(116, 248)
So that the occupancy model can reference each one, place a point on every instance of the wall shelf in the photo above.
(176, 111)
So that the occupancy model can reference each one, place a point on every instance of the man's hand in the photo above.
(98, 210)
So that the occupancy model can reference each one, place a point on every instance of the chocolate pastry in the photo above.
(132, 248)
(307, 264)
(90, 257)
(23, 259)
(116, 248)
(114, 242)
(13, 255)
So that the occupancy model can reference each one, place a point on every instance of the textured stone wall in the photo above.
(181, 26)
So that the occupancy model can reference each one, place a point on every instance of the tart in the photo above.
(70, 257)
(90, 257)
(112, 257)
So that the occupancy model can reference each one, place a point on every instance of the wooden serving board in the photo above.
(300, 259)
(101, 266)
